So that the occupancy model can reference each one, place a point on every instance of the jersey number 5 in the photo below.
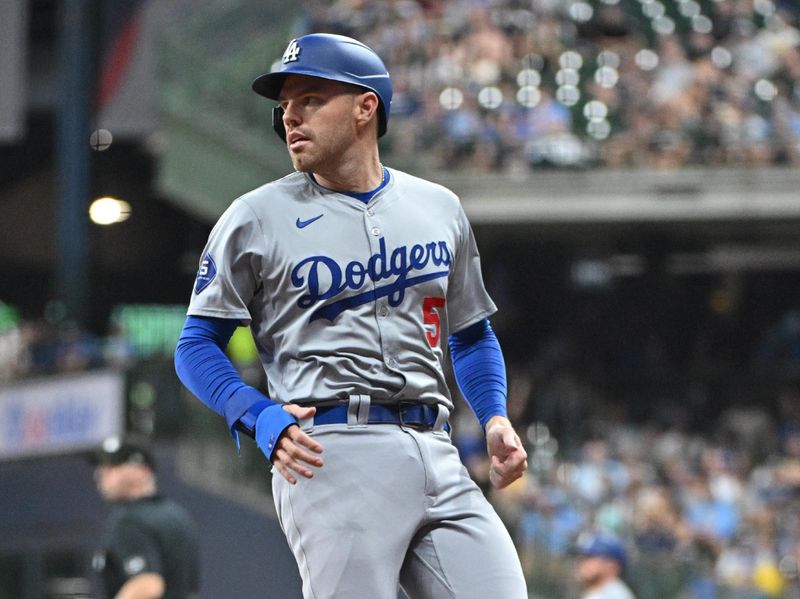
(432, 319)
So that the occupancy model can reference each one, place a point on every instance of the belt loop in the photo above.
(306, 424)
(363, 409)
(358, 410)
(441, 418)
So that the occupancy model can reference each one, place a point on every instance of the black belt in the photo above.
(415, 415)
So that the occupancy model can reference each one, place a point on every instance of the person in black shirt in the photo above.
(149, 548)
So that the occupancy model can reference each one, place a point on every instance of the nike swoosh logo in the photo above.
(300, 224)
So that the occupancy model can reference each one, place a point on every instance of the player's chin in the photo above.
(300, 162)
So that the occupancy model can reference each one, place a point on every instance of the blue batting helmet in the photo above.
(333, 57)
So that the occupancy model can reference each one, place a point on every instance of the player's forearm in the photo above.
(201, 364)
(142, 586)
(203, 367)
(480, 371)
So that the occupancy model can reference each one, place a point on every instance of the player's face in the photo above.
(319, 117)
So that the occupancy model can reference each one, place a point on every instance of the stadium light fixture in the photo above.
(108, 211)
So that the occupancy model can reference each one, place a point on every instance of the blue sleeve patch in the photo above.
(205, 274)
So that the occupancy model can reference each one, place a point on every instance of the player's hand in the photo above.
(296, 452)
(509, 459)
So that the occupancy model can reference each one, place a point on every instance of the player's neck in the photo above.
(352, 174)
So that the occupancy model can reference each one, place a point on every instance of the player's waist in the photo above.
(360, 410)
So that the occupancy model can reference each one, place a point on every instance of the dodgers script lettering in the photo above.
(399, 265)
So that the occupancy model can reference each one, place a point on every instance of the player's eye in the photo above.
(301, 102)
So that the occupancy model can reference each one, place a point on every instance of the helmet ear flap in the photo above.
(277, 122)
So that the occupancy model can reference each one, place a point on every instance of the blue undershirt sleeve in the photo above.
(480, 370)
(201, 365)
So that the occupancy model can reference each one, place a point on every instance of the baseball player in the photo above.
(149, 548)
(600, 563)
(356, 280)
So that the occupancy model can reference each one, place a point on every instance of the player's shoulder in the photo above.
(267, 199)
(426, 188)
(287, 187)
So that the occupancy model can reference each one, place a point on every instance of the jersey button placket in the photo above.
(374, 233)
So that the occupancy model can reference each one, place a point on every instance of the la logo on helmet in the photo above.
(292, 52)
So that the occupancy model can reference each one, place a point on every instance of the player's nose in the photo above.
(291, 115)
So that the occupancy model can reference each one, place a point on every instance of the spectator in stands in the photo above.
(680, 88)
(601, 562)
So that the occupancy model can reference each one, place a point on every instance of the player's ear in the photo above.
(366, 107)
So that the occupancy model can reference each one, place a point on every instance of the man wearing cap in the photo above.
(149, 548)
(359, 284)
(601, 561)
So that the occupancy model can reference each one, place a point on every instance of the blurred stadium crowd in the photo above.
(48, 346)
(495, 85)
(704, 515)
(698, 473)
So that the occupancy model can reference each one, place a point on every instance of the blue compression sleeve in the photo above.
(480, 370)
(201, 364)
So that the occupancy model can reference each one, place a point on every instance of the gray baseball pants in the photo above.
(394, 507)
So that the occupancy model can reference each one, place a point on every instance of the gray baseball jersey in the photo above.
(345, 297)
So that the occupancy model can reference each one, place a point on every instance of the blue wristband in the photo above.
(247, 421)
(270, 424)
(207, 372)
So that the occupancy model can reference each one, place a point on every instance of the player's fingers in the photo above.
(505, 443)
(511, 439)
(296, 451)
(283, 470)
(502, 466)
(519, 449)
(502, 474)
(517, 466)
(499, 480)
(299, 437)
(300, 412)
(512, 465)
(510, 448)
(285, 462)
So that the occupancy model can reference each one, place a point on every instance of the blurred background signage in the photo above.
(55, 416)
